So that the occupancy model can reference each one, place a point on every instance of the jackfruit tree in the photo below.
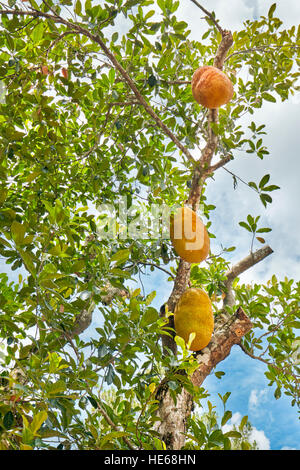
(101, 136)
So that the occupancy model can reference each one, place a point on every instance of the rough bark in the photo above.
(228, 332)
(201, 171)
(174, 417)
(241, 267)
(182, 279)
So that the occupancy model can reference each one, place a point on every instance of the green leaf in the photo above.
(8, 420)
(233, 434)
(150, 297)
(266, 96)
(3, 195)
(215, 127)
(18, 232)
(277, 393)
(266, 198)
(227, 415)
(225, 397)
(111, 436)
(56, 388)
(264, 181)
(120, 256)
(158, 444)
(27, 434)
(115, 36)
(219, 374)
(246, 226)
(216, 437)
(24, 351)
(54, 361)
(38, 420)
(272, 187)
(271, 10)
(252, 147)
(110, 375)
(264, 230)
(245, 446)
(4, 242)
(180, 342)
(253, 185)
(78, 7)
(120, 273)
(152, 80)
(93, 402)
(38, 32)
(78, 266)
(9, 41)
(243, 422)
(112, 75)
(250, 221)
(28, 261)
(150, 316)
(155, 27)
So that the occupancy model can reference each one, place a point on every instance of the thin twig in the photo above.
(240, 179)
(154, 265)
(219, 164)
(210, 15)
(59, 38)
(265, 361)
(260, 49)
(112, 424)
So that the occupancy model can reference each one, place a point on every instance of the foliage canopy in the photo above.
(74, 135)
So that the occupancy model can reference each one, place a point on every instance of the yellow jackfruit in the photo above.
(194, 314)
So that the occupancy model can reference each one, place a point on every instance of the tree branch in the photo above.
(210, 15)
(281, 370)
(59, 38)
(241, 267)
(223, 49)
(226, 334)
(218, 165)
(261, 49)
(110, 421)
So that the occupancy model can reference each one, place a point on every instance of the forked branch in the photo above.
(241, 267)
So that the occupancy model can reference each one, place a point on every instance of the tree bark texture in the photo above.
(173, 416)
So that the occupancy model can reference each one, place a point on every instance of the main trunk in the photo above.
(173, 416)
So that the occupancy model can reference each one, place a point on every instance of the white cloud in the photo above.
(263, 443)
(257, 398)
(236, 419)
(255, 435)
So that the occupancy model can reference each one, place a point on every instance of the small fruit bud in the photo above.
(65, 72)
(45, 70)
